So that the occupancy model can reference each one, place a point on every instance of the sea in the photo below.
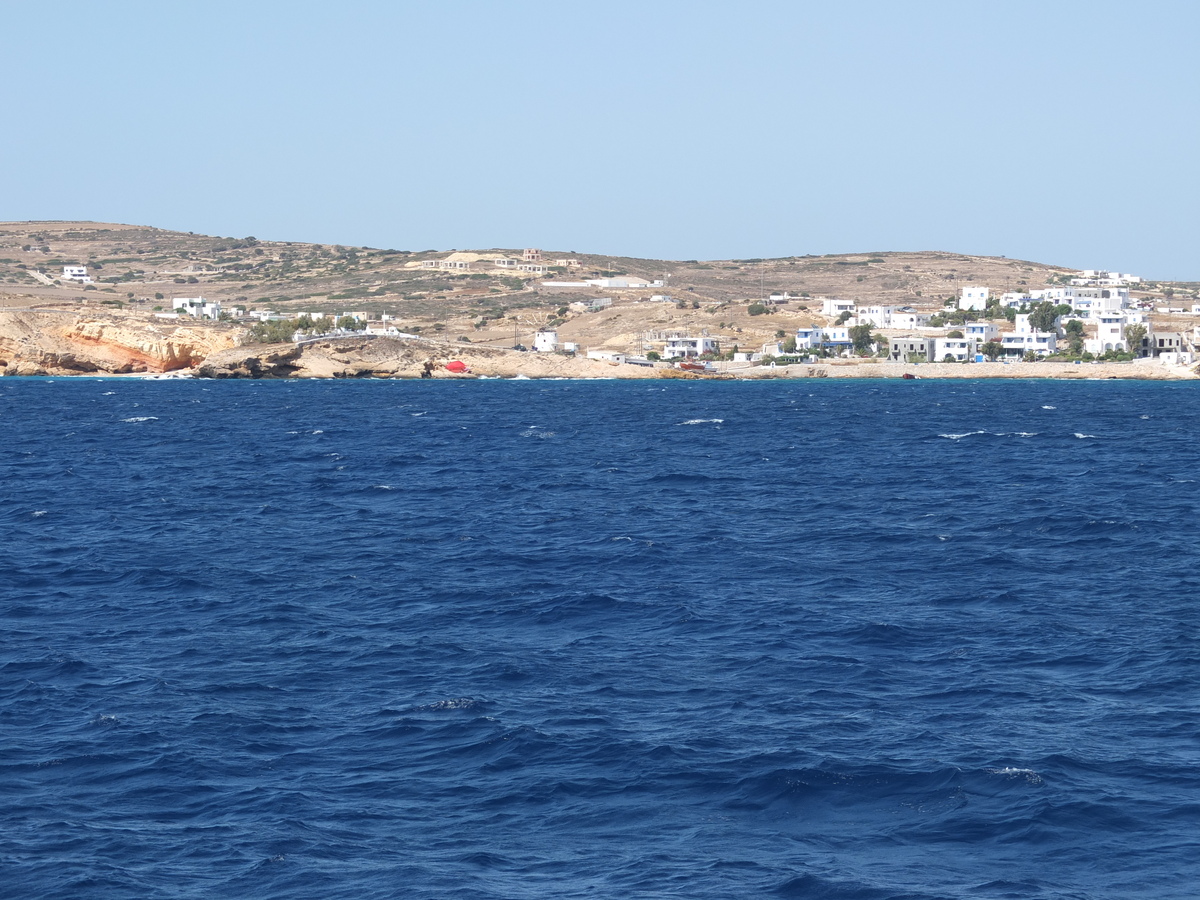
(812, 638)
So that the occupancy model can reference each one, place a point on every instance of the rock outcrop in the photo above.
(383, 357)
(68, 342)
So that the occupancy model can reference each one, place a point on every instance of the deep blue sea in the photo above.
(805, 639)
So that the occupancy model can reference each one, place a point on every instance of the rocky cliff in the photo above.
(69, 342)
(381, 357)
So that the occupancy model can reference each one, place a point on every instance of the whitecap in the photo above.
(959, 437)
(1013, 772)
(108, 393)
(382, 487)
(452, 703)
(141, 419)
(318, 431)
(38, 513)
(1081, 435)
(1049, 407)
(702, 422)
(1025, 433)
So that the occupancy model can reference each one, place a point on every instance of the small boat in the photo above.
(909, 376)
(457, 366)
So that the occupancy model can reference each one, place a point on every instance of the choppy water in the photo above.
(402, 639)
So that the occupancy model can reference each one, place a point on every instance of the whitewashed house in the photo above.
(981, 332)
(908, 318)
(1110, 331)
(606, 355)
(690, 347)
(973, 297)
(875, 316)
(1089, 301)
(1056, 295)
(1026, 339)
(809, 337)
(958, 349)
(197, 307)
(1103, 278)
(837, 339)
(545, 341)
(833, 307)
(76, 273)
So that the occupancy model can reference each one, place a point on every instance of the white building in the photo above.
(875, 316)
(1110, 331)
(76, 273)
(837, 338)
(1014, 299)
(1056, 295)
(690, 347)
(908, 319)
(1025, 339)
(606, 355)
(958, 349)
(621, 284)
(1086, 302)
(196, 306)
(973, 297)
(595, 304)
(1103, 278)
(809, 337)
(833, 307)
(1089, 301)
(981, 332)
(895, 317)
(545, 341)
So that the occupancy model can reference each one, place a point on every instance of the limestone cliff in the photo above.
(69, 342)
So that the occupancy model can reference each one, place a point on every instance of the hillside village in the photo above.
(716, 316)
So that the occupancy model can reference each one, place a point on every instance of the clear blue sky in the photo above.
(1063, 132)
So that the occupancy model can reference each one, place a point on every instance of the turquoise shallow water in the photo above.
(521, 639)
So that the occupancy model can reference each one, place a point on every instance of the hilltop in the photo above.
(137, 270)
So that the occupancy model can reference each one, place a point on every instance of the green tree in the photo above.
(789, 345)
(861, 338)
(1042, 315)
(1134, 335)
(992, 350)
(956, 334)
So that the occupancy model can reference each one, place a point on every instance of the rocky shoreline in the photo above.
(63, 342)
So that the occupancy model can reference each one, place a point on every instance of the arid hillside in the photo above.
(138, 270)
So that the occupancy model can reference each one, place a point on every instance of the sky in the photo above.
(1056, 131)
